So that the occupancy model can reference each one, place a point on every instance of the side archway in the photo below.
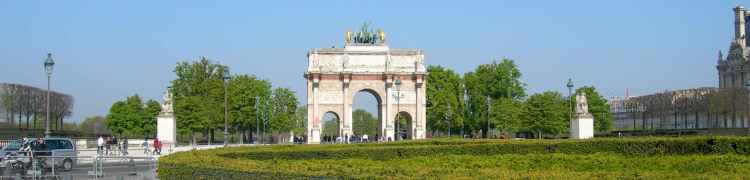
(404, 126)
(331, 127)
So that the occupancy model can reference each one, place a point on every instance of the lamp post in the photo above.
(257, 121)
(226, 107)
(570, 98)
(398, 108)
(466, 109)
(448, 119)
(747, 87)
(489, 105)
(48, 66)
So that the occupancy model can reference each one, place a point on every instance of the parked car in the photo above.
(10, 149)
(59, 152)
(63, 151)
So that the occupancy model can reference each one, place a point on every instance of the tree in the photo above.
(597, 106)
(284, 104)
(364, 123)
(330, 125)
(507, 115)
(301, 124)
(131, 117)
(243, 89)
(496, 81)
(150, 112)
(26, 102)
(198, 95)
(445, 99)
(546, 113)
(116, 119)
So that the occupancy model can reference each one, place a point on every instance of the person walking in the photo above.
(125, 147)
(116, 148)
(107, 145)
(145, 146)
(364, 138)
(157, 146)
(99, 145)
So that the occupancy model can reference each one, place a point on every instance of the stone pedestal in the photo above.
(166, 129)
(389, 133)
(314, 137)
(582, 127)
(419, 134)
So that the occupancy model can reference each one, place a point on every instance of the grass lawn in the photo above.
(650, 158)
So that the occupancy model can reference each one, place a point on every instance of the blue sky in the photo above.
(107, 50)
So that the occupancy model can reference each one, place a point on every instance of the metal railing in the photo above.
(87, 164)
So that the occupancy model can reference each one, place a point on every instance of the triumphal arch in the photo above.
(395, 77)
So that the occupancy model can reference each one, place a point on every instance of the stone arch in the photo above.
(377, 94)
(380, 118)
(405, 128)
(395, 77)
(325, 129)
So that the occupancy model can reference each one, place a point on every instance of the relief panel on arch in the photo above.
(331, 97)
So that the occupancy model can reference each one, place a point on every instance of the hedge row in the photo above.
(659, 146)
(437, 156)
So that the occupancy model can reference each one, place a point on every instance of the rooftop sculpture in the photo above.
(366, 35)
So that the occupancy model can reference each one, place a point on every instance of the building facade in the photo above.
(734, 69)
(726, 107)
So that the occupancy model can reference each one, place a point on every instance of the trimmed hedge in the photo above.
(448, 157)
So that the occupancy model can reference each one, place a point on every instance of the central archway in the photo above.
(366, 115)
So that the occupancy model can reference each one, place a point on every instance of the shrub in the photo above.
(455, 158)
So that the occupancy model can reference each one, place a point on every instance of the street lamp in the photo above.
(226, 107)
(747, 87)
(398, 108)
(257, 121)
(570, 98)
(489, 105)
(448, 119)
(466, 108)
(48, 66)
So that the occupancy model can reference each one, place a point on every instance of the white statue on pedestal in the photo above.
(166, 127)
(582, 107)
(582, 124)
(166, 107)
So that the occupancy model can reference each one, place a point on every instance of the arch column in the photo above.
(313, 112)
(346, 120)
(420, 111)
(389, 118)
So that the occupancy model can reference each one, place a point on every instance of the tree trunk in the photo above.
(192, 138)
(210, 133)
(540, 135)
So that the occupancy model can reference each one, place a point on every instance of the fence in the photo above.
(86, 164)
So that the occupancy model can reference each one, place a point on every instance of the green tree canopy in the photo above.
(284, 108)
(243, 89)
(330, 125)
(496, 81)
(597, 106)
(301, 124)
(131, 117)
(507, 114)
(364, 122)
(445, 99)
(546, 113)
(198, 93)
(116, 119)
